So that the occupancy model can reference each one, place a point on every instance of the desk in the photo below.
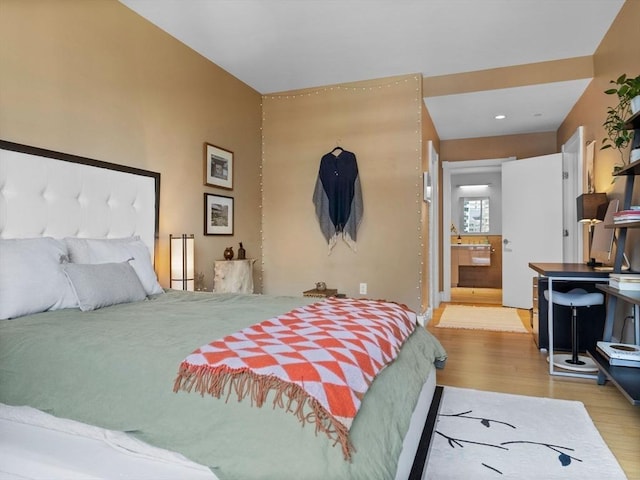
(572, 272)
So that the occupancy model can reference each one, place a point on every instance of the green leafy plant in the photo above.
(618, 136)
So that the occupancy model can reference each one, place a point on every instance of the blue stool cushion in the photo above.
(577, 297)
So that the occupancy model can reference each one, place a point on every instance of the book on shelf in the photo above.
(624, 216)
(625, 281)
(620, 354)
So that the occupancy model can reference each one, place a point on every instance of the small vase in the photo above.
(228, 253)
(242, 253)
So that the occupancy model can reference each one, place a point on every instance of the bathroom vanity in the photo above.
(468, 255)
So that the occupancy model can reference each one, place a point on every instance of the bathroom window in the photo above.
(475, 215)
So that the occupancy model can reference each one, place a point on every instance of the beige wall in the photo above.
(508, 77)
(92, 78)
(379, 121)
(519, 146)
(618, 53)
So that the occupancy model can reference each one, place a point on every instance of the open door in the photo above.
(434, 243)
(531, 223)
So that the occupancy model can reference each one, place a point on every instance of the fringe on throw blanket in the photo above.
(222, 380)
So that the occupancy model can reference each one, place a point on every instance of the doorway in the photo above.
(573, 154)
(546, 231)
(468, 292)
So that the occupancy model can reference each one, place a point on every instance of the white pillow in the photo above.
(31, 278)
(116, 250)
(103, 284)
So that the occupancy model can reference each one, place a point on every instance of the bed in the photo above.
(88, 364)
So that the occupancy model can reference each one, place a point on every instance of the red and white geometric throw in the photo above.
(321, 357)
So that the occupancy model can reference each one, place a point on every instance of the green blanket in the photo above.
(115, 368)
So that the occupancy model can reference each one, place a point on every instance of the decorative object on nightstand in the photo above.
(321, 286)
(228, 253)
(324, 293)
(233, 276)
(181, 253)
(199, 282)
(242, 253)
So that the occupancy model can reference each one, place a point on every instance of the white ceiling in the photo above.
(280, 45)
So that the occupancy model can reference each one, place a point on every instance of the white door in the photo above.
(531, 223)
(572, 161)
(434, 244)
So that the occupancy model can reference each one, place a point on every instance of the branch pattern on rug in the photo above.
(487, 435)
(564, 458)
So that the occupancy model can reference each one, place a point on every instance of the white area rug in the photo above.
(488, 435)
(482, 318)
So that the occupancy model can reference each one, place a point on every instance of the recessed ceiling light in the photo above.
(500, 117)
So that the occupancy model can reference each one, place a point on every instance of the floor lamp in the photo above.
(181, 253)
(591, 209)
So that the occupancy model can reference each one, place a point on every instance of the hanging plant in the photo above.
(618, 135)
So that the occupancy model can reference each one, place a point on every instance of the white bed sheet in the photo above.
(36, 445)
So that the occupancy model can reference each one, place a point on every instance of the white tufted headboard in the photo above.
(46, 193)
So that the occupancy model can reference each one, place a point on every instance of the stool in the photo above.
(575, 298)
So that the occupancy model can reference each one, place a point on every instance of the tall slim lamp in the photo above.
(591, 210)
(181, 253)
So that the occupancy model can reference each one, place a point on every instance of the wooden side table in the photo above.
(233, 276)
(329, 292)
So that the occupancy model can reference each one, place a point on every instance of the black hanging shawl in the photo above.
(338, 197)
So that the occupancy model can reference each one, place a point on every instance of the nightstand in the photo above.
(233, 276)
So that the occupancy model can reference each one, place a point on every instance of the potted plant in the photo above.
(454, 230)
(627, 90)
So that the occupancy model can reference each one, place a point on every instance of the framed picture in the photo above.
(218, 167)
(218, 215)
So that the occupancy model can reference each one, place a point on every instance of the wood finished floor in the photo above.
(511, 363)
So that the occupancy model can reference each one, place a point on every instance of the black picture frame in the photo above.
(218, 214)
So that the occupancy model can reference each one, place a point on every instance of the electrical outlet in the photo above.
(363, 289)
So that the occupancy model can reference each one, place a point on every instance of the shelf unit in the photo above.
(629, 174)
(627, 379)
